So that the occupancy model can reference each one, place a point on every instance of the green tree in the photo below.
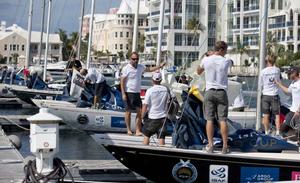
(64, 38)
(14, 58)
(121, 55)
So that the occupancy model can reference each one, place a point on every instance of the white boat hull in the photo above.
(87, 119)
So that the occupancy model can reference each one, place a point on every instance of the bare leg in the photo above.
(161, 142)
(128, 122)
(210, 132)
(146, 140)
(138, 120)
(95, 100)
(277, 123)
(266, 122)
(224, 133)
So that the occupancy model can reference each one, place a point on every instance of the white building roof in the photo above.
(35, 35)
(129, 6)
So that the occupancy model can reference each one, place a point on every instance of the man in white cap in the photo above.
(156, 103)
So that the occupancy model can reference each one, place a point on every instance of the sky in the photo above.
(65, 13)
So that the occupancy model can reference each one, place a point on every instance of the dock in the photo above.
(107, 169)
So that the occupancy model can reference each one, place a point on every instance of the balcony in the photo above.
(277, 25)
(250, 26)
(251, 8)
(290, 38)
(236, 10)
(155, 44)
(250, 43)
(236, 27)
(290, 23)
(280, 39)
(156, 28)
(158, 12)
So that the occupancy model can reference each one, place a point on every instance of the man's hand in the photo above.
(124, 97)
(163, 64)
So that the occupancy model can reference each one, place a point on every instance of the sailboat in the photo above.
(261, 158)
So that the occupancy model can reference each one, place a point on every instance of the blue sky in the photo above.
(65, 13)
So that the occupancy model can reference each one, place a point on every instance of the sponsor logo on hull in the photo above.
(259, 174)
(218, 174)
(184, 171)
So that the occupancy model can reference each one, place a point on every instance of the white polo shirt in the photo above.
(294, 89)
(156, 98)
(216, 71)
(133, 77)
(267, 76)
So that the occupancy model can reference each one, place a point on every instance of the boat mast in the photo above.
(47, 40)
(90, 34)
(262, 55)
(42, 30)
(135, 28)
(29, 26)
(80, 29)
(160, 31)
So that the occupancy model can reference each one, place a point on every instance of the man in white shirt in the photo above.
(156, 103)
(270, 96)
(216, 100)
(294, 90)
(99, 80)
(131, 87)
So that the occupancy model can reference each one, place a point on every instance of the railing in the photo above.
(155, 44)
(251, 43)
(248, 26)
(236, 9)
(277, 25)
(158, 12)
(243, 71)
(235, 26)
(251, 8)
(290, 38)
(280, 39)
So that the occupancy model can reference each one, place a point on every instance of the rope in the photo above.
(4, 117)
(57, 174)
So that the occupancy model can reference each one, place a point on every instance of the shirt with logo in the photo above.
(294, 89)
(216, 71)
(156, 98)
(267, 76)
(133, 77)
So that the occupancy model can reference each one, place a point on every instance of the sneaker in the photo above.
(209, 149)
(225, 150)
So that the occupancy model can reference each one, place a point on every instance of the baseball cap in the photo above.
(157, 76)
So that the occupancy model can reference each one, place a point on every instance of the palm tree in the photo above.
(274, 48)
(193, 24)
(64, 38)
(241, 49)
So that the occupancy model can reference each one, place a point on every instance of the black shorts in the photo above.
(99, 88)
(152, 126)
(270, 104)
(133, 101)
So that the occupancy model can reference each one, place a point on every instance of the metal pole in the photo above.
(42, 31)
(160, 31)
(262, 55)
(90, 35)
(29, 26)
(136, 25)
(80, 29)
(47, 40)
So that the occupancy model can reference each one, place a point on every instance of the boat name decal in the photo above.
(259, 174)
(185, 171)
(218, 173)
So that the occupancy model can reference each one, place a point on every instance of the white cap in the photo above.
(157, 76)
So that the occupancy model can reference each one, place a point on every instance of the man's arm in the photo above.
(151, 69)
(144, 110)
(280, 85)
(122, 83)
(200, 70)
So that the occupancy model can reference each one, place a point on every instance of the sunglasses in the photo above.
(134, 58)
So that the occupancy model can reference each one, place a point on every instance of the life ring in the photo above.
(82, 119)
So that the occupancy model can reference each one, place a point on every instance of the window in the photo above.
(121, 34)
(121, 46)
(119, 22)
(17, 47)
(127, 34)
(55, 46)
(5, 47)
(126, 22)
(178, 39)
(178, 6)
(23, 47)
(127, 46)
(122, 22)
(280, 4)
(298, 19)
(141, 22)
(272, 4)
(10, 47)
(116, 46)
(130, 22)
(178, 23)
(14, 47)
(177, 58)
(116, 34)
